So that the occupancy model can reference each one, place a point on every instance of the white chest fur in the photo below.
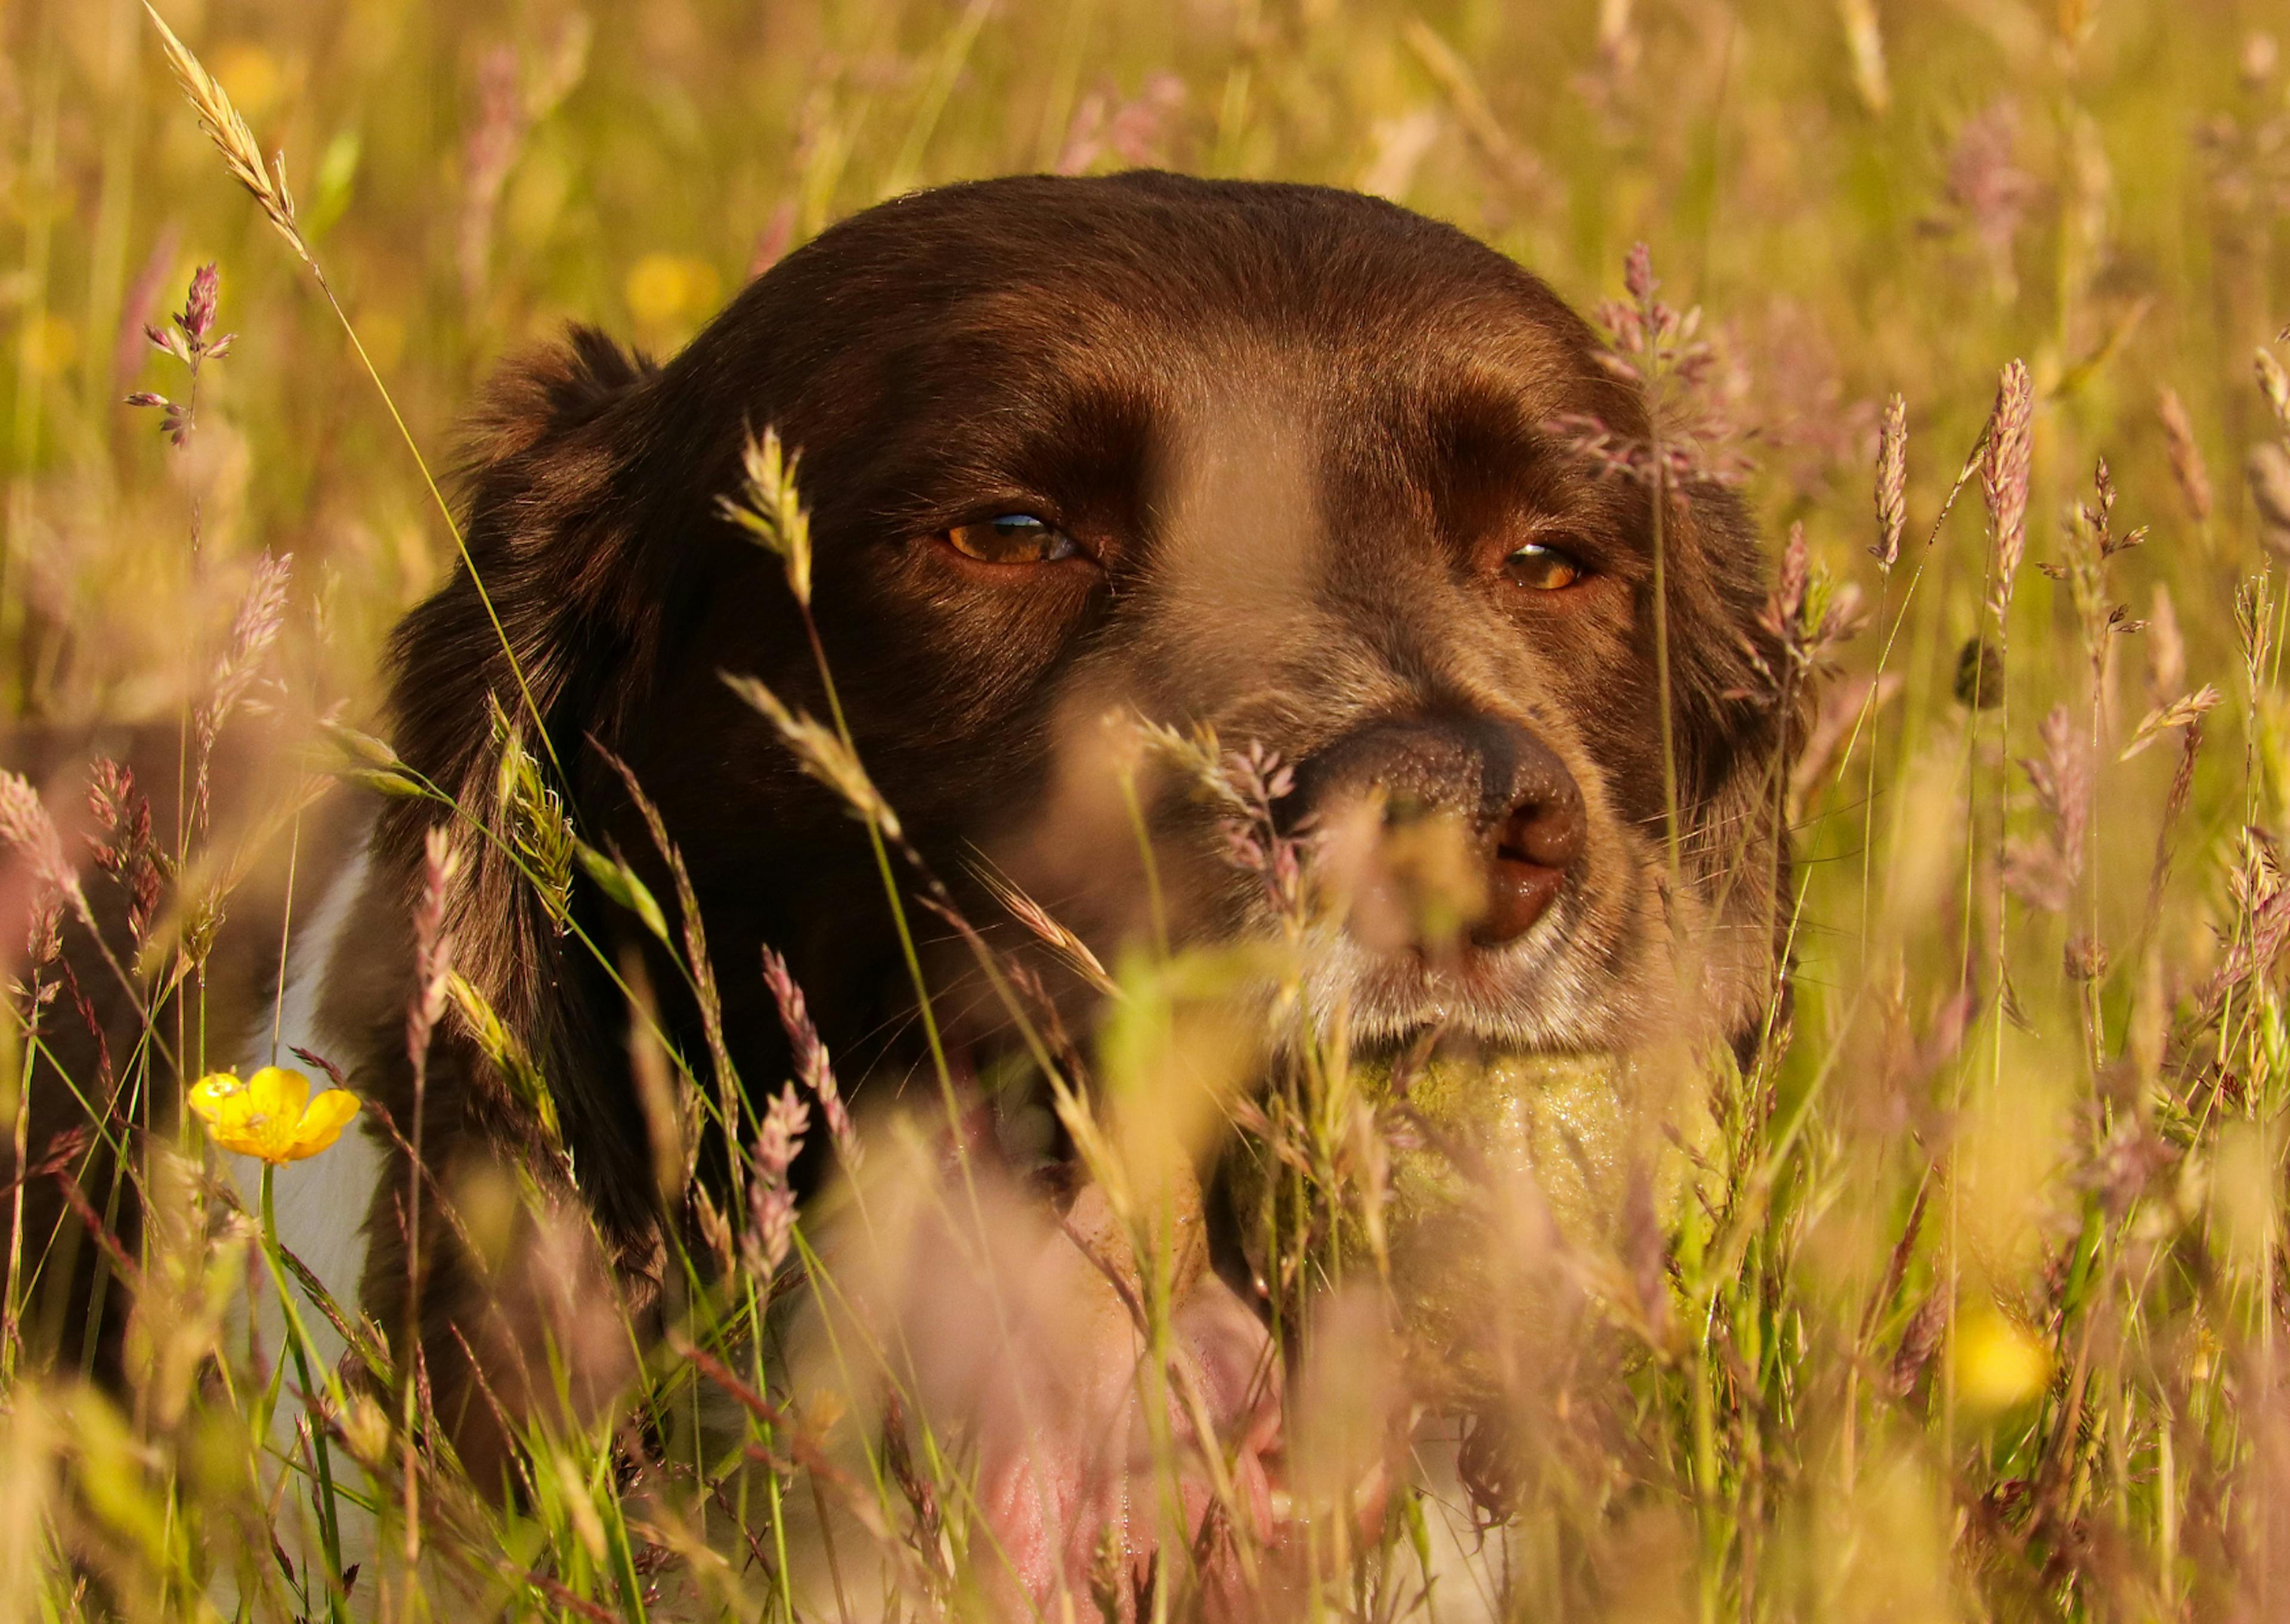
(321, 1202)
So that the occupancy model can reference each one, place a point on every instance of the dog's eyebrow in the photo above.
(1488, 448)
(1080, 445)
(1521, 400)
(1483, 434)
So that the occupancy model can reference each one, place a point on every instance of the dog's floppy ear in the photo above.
(1739, 722)
(546, 615)
(544, 525)
(551, 614)
(1726, 662)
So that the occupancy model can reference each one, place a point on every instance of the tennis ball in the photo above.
(1516, 1182)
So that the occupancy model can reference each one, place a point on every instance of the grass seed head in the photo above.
(771, 1197)
(433, 943)
(2003, 477)
(811, 1061)
(27, 829)
(769, 508)
(1892, 482)
(231, 137)
(2274, 383)
(822, 754)
(2187, 466)
(253, 630)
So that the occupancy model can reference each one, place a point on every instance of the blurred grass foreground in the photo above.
(1971, 1300)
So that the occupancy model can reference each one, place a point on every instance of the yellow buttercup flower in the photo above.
(271, 1114)
(1998, 1362)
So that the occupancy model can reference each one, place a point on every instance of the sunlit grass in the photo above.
(1963, 1300)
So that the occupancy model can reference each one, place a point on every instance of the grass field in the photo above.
(1973, 1301)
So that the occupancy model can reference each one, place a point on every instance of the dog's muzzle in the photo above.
(1448, 831)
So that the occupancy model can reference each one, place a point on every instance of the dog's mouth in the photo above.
(1559, 986)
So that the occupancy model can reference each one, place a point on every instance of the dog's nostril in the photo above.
(1548, 835)
(1537, 843)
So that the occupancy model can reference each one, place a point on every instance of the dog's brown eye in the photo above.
(1013, 538)
(1542, 569)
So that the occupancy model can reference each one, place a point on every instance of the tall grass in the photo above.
(1963, 1299)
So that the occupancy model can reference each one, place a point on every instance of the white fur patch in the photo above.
(321, 1202)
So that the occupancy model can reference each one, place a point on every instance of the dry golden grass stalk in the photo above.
(2274, 383)
(2183, 712)
(821, 754)
(232, 137)
(27, 828)
(2187, 467)
(2003, 477)
(1035, 918)
(1892, 482)
(769, 508)
(235, 142)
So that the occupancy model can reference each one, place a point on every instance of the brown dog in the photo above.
(1283, 460)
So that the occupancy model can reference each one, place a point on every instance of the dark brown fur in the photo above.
(1300, 428)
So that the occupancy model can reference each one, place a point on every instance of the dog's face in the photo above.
(1284, 462)
(1277, 461)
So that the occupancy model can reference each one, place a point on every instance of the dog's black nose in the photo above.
(1454, 824)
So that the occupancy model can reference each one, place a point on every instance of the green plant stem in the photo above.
(1669, 807)
(298, 1341)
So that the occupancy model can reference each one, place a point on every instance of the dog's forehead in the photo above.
(1326, 354)
(1182, 296)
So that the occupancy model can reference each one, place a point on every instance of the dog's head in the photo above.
(1282, 461)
